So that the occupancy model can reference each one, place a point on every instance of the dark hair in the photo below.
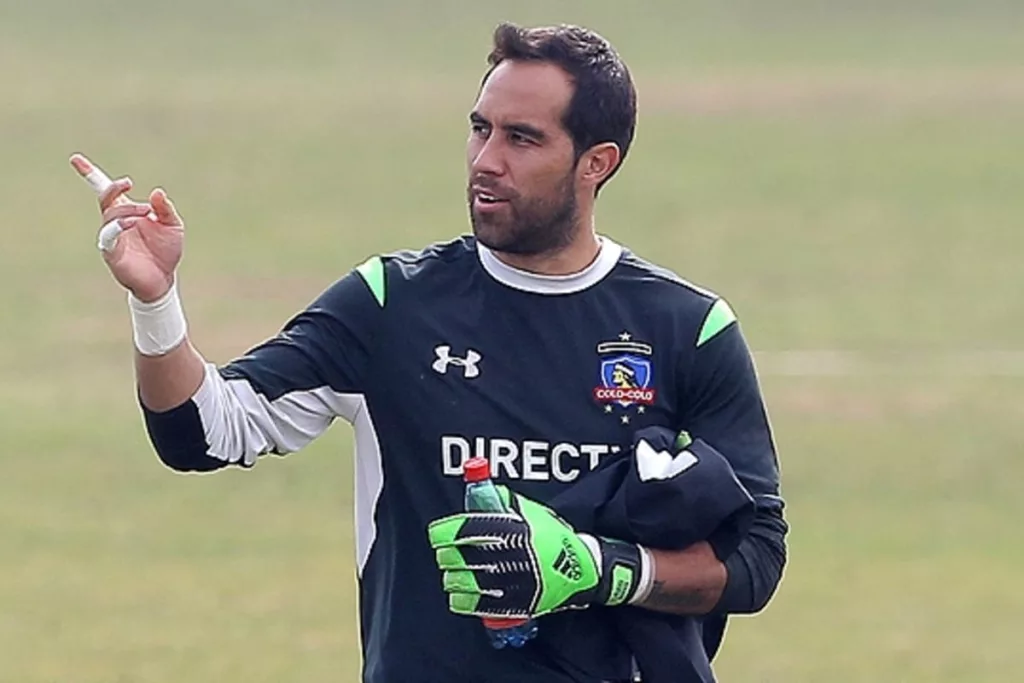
(603, 104)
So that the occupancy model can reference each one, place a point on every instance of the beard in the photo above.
(529, 226)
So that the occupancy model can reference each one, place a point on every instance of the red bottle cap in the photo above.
(502, 622)
(476, 469)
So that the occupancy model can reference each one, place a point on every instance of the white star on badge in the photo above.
(625, 419)
(640, 410)
(607, 409)
(625, 336)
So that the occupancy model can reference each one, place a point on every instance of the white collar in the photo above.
(523, 280)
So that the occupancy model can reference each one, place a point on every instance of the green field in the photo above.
(850, 178)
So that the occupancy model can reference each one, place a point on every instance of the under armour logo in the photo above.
(468, 364)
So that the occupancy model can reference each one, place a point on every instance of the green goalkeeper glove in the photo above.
(530, 562)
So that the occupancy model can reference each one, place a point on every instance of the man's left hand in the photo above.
(529, 562)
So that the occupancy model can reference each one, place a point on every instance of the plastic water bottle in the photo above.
(483, 496)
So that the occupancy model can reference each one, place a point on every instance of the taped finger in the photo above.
(91, 173)
(99, 181)
(109, 234)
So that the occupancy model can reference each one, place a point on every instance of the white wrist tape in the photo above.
(643, 588)
(158, 326)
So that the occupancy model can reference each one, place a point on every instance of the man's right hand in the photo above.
(147, 252)
(143, 259)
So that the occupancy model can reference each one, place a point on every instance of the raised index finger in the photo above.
(91, 173)
(110, 192)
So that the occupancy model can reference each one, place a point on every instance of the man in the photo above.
(535, 343)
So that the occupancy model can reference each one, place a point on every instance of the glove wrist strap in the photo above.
(627, 571)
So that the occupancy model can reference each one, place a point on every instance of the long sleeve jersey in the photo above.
(442, 354)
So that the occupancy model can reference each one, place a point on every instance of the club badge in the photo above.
(625, 373)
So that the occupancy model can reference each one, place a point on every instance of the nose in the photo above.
(486, 157)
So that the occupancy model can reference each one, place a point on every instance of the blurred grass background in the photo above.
(847, 174)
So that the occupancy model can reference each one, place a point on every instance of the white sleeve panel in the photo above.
(241, 424)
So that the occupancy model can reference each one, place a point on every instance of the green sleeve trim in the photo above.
(372, 271)
(719, 317)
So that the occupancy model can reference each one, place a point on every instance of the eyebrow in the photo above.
(521, 128)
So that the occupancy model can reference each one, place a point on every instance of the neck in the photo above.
(567, 260)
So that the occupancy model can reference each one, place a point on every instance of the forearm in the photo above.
(169, 380)
(168, 368)
(687, 581)
(694, 581)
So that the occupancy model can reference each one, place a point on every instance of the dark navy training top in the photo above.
(439, 355)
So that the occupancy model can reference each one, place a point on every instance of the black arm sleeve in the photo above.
(755, 569)
(725, 408)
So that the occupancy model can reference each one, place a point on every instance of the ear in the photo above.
(597, 163)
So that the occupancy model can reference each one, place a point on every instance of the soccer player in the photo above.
(536, 342)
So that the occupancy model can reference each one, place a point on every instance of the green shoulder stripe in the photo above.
(719, 317)
(372, 271)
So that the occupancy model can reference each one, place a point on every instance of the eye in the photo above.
(519, 139)
(479, 129)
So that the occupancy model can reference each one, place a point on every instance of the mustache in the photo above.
(489, 184)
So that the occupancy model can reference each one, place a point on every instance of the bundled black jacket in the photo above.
(704, 502)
